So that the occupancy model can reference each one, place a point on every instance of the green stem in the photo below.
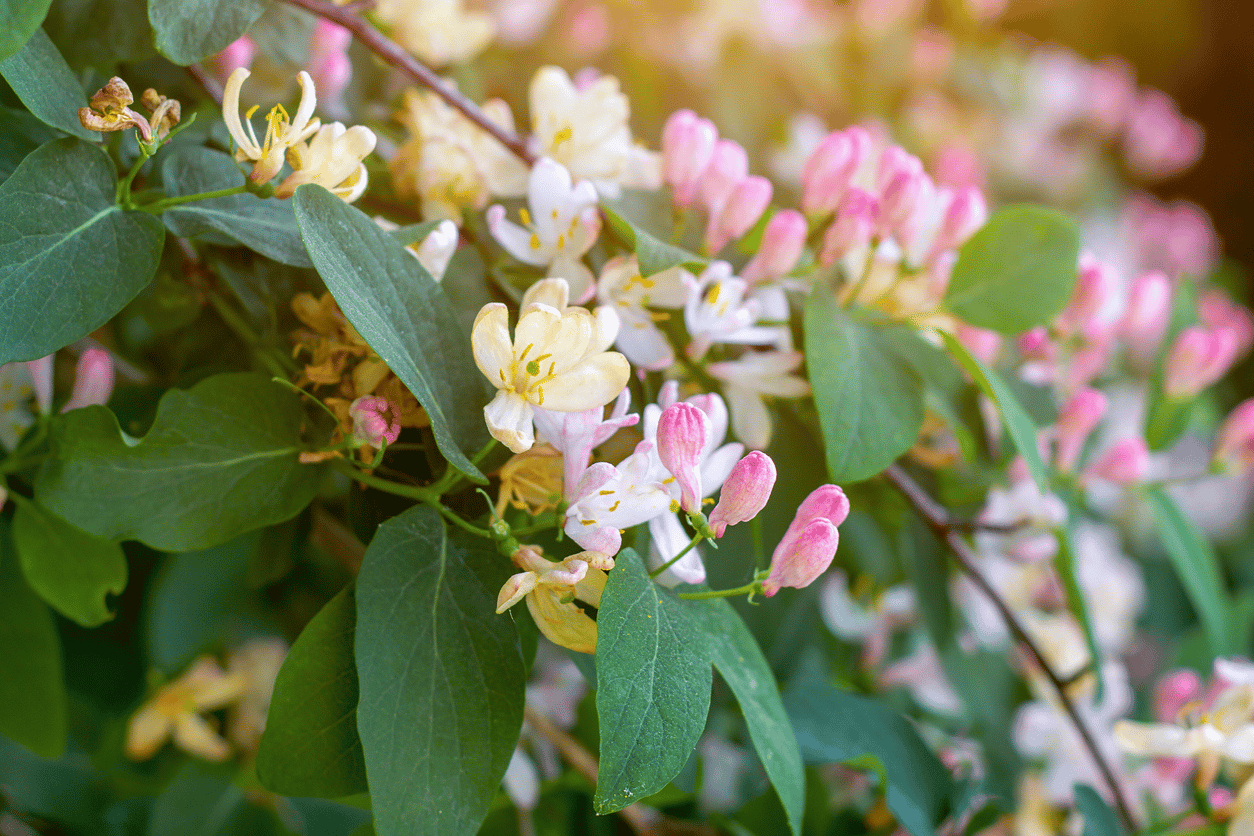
(157, 207)
(124, 186)
(659, 570)
(387, 485)
(453, 477)
(460, 523)
(747, 589)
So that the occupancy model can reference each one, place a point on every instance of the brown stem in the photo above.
(937, 518)
(393, 54)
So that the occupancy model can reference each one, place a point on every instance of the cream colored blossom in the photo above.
(176, 709)
(440, 32)
(449, 162)
(258, 661)
(585, 129)
(281, 132)
(557, 359)
(332, 159)
(551, 590)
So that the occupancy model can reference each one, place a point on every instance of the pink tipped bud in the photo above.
(729, 164)
(687, 147)
(745, 492)
(331, 74)
(93, 380)
(238, 53)
(1236, 438)
(41, 381)
(1037, 344)
(782, 242)
(985, 345)
(1145, 319)
(746, 203)
(1076, 420)
(1173, 692)
(827, 502)
(966, 213)
(853, 228)
(1197, 359)
(899, 180)
(681, 436)
(808, 555)
(374, 421)
(831, 168)
(1217, 311)
(1095, 286)
(1124, 464)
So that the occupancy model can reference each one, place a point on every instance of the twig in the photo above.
(393, 54)
(937, 518)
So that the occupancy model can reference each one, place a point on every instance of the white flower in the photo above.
(716, 311)
(608, 498)
(585, 129)
(16, 391)
(436, 250)
(1023, 504)
(439, 32)
(557, 359)
(1225, 730)
(871, 624)
(562, 224)
(631, 296)
(281, 134)
(332, 159)
(1112, 586)
(748, 380)
(921, 672)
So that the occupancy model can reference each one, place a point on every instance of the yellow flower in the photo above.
(332, 159)
(281, 133)
(531, 480)
(175, 711)
(551, 590)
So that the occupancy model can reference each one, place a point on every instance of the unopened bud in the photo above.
(782, 243)
(899, 180)
(1159, 141)
(374, 421)
(1145, 318)
(746, 203)
(831, 168)
(1076, 421)
(966, 213)
(745, 492)
(1124, 464)
(853, 228)
(1197, 359)
(1216, 311)
(239, 53)
(729, 164)
(41, 381)
(808, 555)
(687, 148)
(681, 435)
(1235, 448)
(93, 380)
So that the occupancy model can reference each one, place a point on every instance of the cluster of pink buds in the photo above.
(375, 422)
(698, 166)
(809, 545)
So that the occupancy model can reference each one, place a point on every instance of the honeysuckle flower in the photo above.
(682, 432)
(750, 379)
(831, 168)
(436, 250)
(1197, 359)
(1158, 140)
(922, 673)
(258, 660)
(1076, 421)
(165, 112)
(1037, 515)
(609, 498)
(1111, 584)
(585, 129)
(941, 222)
(557, 360)
(531, 481)
(1126, 463)
(576, 434)
(783, 241)
(631, 295)
(16, 391)
(440, 32)
(450, 162)
(1217, 311)
(521, 782)
(93, 380)
(809, 544)
(375, 422)
(281, 132)
(728, 166)
(899, 181)
(870, 623)
(110, 110)
(551, 590)
(717, 311)
(853, 228)
(562, 224)
(1235, 447)
(687, 146)
(745, 492)
(175, 711)
(332, 159)
(746, 203)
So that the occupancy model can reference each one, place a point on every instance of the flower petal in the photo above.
(594, 382)
(490, 342)
(562, 624)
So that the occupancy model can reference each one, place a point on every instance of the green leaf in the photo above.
(70, 569)
(32, 689)
(310, 746)
(283, 33)
(266, 226)
(653, 254)
(1066, 562)
(402, 314)
(1166, 419)
(1099, 819)
(19, 19)
(23, 133)
(441, 677)
(202, 799)
(653, 685)
(1017, 272)
(835, 726)
(944, 387)
(738, 659)
(69, 257)
(191, 30)
(870, 402)
(1198, 569)
(220, 459)
(100, 33)
(1019, 425)
(44, 83)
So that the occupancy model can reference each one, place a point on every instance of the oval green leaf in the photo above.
(46, 85)
(188, 31)
(19, 19)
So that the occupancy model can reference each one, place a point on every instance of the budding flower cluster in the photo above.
(809, 545)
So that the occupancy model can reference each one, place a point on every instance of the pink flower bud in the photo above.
(93, 380)
(899, 180)
(826, 502)
(41, 381)
(687, 147)
(374, 421)
(746, 203)
(1095, 286)
(1236, 437)
(329, 38)
(1037, 344)
(1146, 316)
(854, 226)
(1197, 359)
(238, 53)
(830, 169)
(1124, 464)
(681, 436)
(1173, 692)
(1076, 420)
(1159, 142)
(965, 214)
(808, 556)
(729, 164)
(1217, 311)
(745, 492)
(985, 345)
(782, 242)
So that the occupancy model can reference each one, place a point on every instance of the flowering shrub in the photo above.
(295, 413)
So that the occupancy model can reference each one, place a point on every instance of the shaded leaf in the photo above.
(220, 459)
(1099, 819)
(69, 257)
(653, 254)
(44, 83)
(1066, 563)
(188, 31)
(19, 19)
(100, 33)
